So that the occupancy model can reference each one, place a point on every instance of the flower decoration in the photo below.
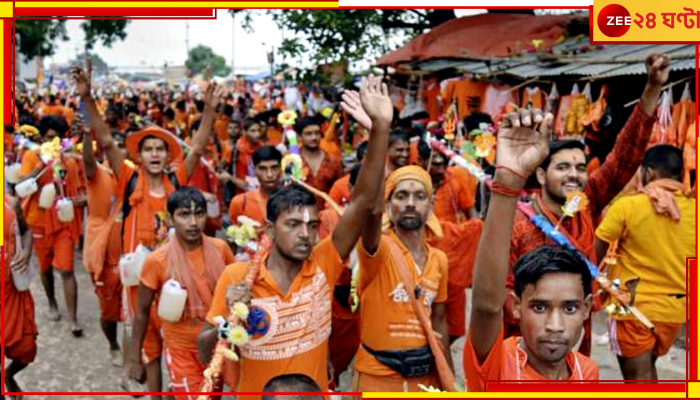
(50, 150)
(430, 389)
(327, 112)
(576, 201)
(28, 131)
(287, 118)
(485, 145)
(239, 336)
(240, 310)
(244, 234)
(293, 166)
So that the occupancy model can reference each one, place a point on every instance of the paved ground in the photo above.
(67, 364)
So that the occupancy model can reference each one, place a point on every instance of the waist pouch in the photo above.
(411, 363)
(342, 294)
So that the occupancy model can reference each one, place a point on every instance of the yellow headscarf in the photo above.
(411, 173)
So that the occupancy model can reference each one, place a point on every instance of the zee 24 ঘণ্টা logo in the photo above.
(614, 20)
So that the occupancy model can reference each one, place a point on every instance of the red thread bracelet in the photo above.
(511, 170)
(503, 190)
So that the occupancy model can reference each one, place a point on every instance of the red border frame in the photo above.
(668, 386)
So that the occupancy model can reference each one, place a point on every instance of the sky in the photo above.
(152, 43)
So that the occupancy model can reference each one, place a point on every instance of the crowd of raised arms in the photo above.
(249, 246)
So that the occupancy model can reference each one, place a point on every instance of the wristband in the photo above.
(503, 190)
(511, 171)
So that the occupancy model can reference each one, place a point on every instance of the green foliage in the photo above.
(106, 31)
(325, 36)
(37, 37)
(201, 56)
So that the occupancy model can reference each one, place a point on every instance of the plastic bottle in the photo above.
(130, 266)
(48, 194)
(12, 173)
(26, 188)
(172, 301)
(64, 206)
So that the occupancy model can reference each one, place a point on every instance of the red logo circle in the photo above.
(614, 20)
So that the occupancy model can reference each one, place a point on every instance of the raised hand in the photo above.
(352, 105)
(374, 97)
(212, 95)
(82, 81)
(658, 68)
(523, 141)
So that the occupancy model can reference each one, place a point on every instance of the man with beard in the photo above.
(296, 276)
(552, 285)
(321, 169)
(397, 156)
(564, 172)
(394, 355)
(253, 204)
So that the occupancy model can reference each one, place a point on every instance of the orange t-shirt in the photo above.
(431, 92)
(244, 157)
(300, 320)
(48, 218)
(221, 127)
(456, 195)
(329, 171)
(275, 136)
(340, 191)
(380, 287)
(102, 198)
(508, 361)
(251, 204)
(157, 206)
(52, 109)
(459, 243)
(155, 272)
(467, 93)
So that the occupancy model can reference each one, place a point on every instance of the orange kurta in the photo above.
(19, 332)
(340, 191)
(380, 287)
(455, 196)
(297, 340)
(251, 204)
(329, 171)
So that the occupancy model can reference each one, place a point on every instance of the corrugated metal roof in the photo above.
(528, 66)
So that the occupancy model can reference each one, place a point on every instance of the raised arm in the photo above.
(89, 162)
(376, 103)
(103, 134)
(134, 365)
(200, 140)
(520, 150)
(622, 163)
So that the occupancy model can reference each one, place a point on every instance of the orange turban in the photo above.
(411, 173)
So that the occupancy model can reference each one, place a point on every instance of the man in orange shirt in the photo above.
(195, 261)
(294, 286)
(19, 332)
(54, 240)
(103, 244)
(147, 188)
(253, 204)
(394, 355)
(397, 156)
(455, 192)
(564, 172)
(321, 169)
(221, 124)
(552, 284)
(251, 140)
(52, 108)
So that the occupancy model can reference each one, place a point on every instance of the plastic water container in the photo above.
(48, 194)
(172, 301)
(213, 209)
(64, 206)
(130, 266)
(12, 173)
(23, 280)
(26, 188)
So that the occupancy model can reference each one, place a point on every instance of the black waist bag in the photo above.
(342, 294)
(409, 363)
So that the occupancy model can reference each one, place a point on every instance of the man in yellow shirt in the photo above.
(655, 231)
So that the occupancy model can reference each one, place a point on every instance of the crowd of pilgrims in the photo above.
(267, 240)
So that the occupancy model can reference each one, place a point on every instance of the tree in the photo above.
(327, 36)
(106, 31)
(201, 56)
(37, 37)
